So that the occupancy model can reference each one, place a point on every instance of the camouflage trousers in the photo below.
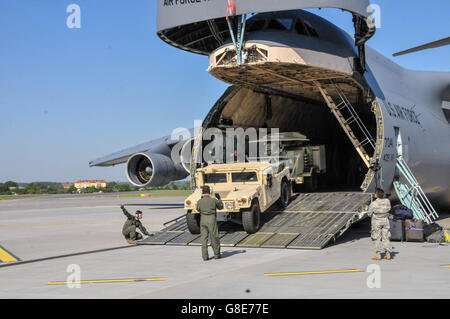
(381, 235)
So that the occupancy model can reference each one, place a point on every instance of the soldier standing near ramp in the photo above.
(129, 228)
(207, 207)
(379, 211)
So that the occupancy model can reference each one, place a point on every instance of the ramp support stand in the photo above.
(238, 40)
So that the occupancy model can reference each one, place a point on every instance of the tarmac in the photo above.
(71, 246)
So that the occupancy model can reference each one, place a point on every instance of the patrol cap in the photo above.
(138, 212)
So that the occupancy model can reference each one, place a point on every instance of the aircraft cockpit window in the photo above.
(446, 109)
(312, 32)
(300, 28)
(287, 23)
(258, 25)
(280, 24)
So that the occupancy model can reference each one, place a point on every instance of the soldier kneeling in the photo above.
(129, 228)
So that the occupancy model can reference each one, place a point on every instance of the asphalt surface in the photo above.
(62, 235)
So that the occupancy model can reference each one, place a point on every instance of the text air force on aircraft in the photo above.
(293, 70)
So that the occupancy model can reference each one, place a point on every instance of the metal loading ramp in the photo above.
(310, 221)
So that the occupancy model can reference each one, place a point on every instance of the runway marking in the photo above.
(314, 272)
(102, 281)
(7, 257)
(23, 262)
(447, 266)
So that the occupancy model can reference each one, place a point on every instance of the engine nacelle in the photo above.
(185, 155)
(153, 169)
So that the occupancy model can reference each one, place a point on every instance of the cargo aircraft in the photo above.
(382, 125)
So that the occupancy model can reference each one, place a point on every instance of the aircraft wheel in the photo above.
(251, 219)
(193, 222)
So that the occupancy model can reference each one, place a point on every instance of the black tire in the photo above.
(285, 194)
(193, 222)
(311, 183)
(251, 219)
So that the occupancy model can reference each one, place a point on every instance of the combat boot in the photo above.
(377, 256)
(387, 256)
(131, 242)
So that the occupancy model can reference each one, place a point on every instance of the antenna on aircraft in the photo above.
(431, 45)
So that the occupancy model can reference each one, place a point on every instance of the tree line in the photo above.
(13, 188)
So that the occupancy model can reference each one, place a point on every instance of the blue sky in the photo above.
(68, 96)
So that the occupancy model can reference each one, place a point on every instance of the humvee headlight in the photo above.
(229, 205)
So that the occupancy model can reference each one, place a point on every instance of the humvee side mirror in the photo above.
(269, 180)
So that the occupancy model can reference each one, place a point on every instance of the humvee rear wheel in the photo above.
(284, 194)
(193, 222)
(251, 219)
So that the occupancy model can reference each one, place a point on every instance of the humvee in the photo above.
(246, 189)
(306, 162)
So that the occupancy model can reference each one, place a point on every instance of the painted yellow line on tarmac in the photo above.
(6, 257)
(314, 272)
(447, 266)
(104, 281)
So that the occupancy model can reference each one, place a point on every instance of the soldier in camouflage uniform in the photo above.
(129, 228)
(207, 207)
(379, 211)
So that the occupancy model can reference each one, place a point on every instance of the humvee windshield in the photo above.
(214, 178)
(244, 177)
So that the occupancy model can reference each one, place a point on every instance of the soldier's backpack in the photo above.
(414, 230)
(436, 237)
(430, 229)
(397, 230)
(401, 212)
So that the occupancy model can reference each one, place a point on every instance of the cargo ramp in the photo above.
(311, 221)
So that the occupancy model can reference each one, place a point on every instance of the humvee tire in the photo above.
(251, 218)
(193, 222)
(284, 194)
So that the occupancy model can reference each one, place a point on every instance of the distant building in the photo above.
(86, 184)
(67, 185)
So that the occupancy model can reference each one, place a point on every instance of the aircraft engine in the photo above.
(185, 155)
(153, 169)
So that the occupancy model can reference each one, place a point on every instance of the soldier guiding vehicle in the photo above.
(129, 228)
(207, 207)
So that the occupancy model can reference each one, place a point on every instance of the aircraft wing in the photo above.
(122, 156)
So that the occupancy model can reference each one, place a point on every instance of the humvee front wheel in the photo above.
(251, 219)
(193, 222)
